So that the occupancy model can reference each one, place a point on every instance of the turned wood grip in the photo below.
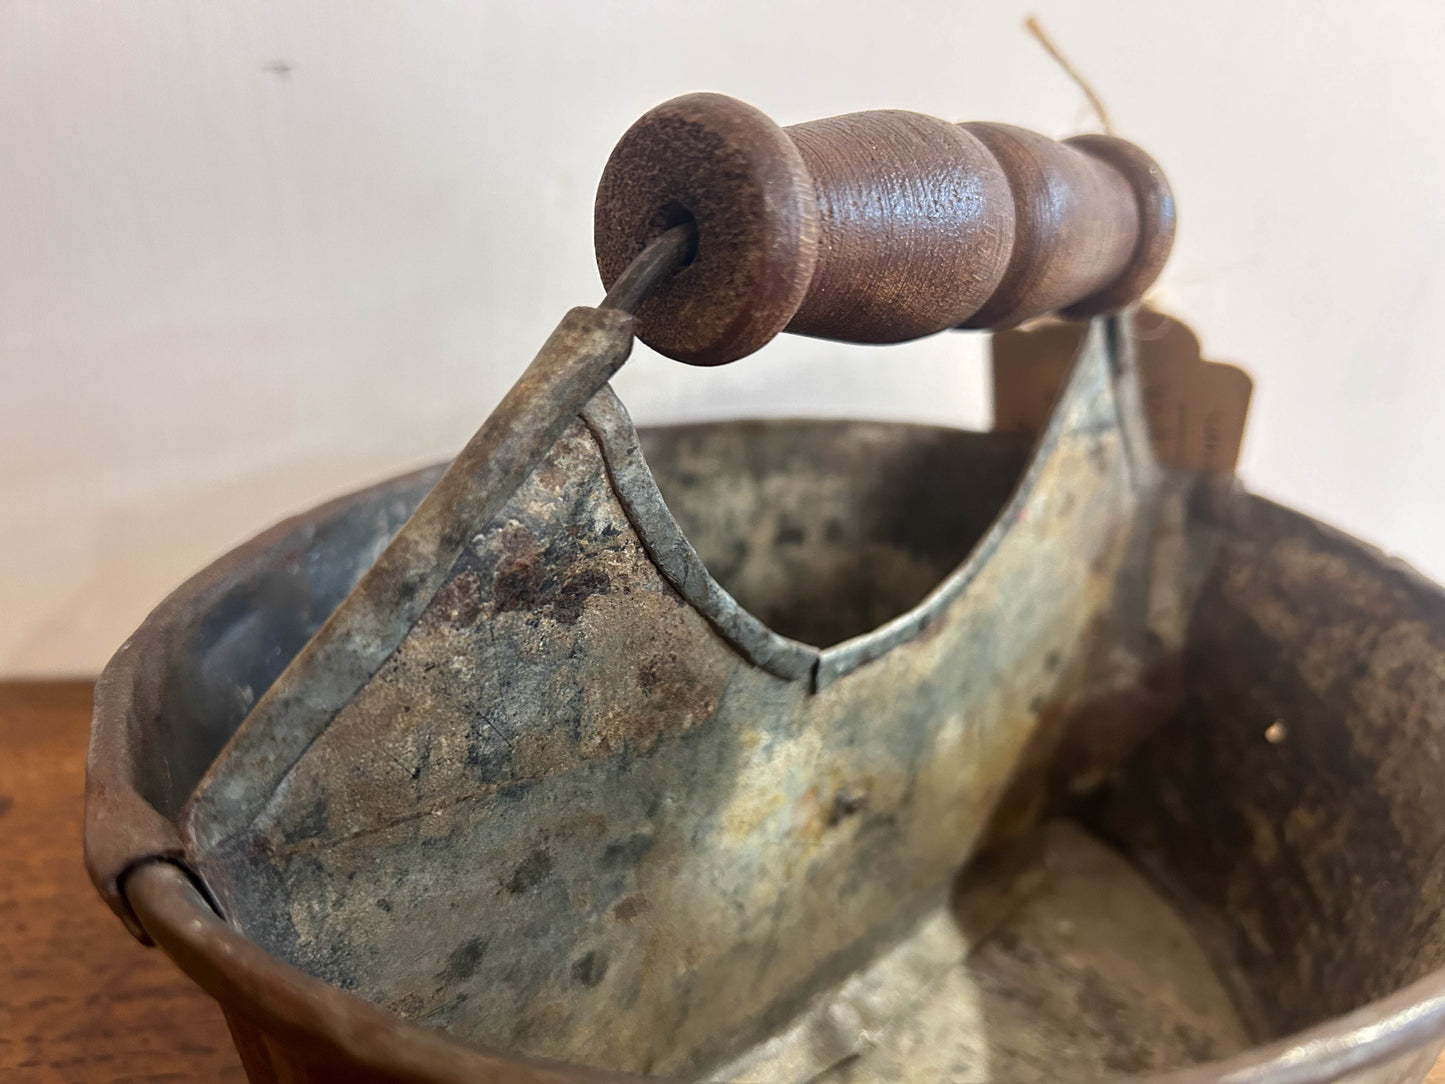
(873, 227)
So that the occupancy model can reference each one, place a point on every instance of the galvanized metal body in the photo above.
(567, 797)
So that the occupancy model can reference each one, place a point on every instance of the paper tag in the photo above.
(1196, 408)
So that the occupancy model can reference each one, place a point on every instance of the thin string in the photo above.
(1035, 28)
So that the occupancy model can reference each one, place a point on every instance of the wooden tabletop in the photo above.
(80, 1000)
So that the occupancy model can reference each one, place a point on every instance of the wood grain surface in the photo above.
(874, 227)
(79, 999)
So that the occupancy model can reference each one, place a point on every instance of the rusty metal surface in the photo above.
(290, 1027)
(569, 817)
(1302, 774)
(592, 807)
(663, 539)
(293, 1027)
(582, 354)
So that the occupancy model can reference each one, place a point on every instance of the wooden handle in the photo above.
(873, 227)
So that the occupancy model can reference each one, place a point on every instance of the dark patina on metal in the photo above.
(791, 751)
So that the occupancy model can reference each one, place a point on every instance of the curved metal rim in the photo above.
(293, 1005)
(666, 542)
(161, 902)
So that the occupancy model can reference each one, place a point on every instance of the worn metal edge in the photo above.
(840, 659)
(675, 558)
(673, 555)
(1408, 1020)
(294, 1007)
(581, 355)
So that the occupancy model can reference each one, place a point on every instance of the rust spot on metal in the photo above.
(530, 872)
(536, 579)
(591, 968)
(629, 907)
(551, 477)
(665, 675)
(462, 964)
(459, 602)
(625, 853)
(517, 583)
(846, 802)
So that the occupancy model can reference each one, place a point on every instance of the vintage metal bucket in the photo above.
(792, 751)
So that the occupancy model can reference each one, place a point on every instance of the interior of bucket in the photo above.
(1237, 841)
(1051, 949)
(1262, 861)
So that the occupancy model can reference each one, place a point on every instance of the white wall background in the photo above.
(255, 254)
